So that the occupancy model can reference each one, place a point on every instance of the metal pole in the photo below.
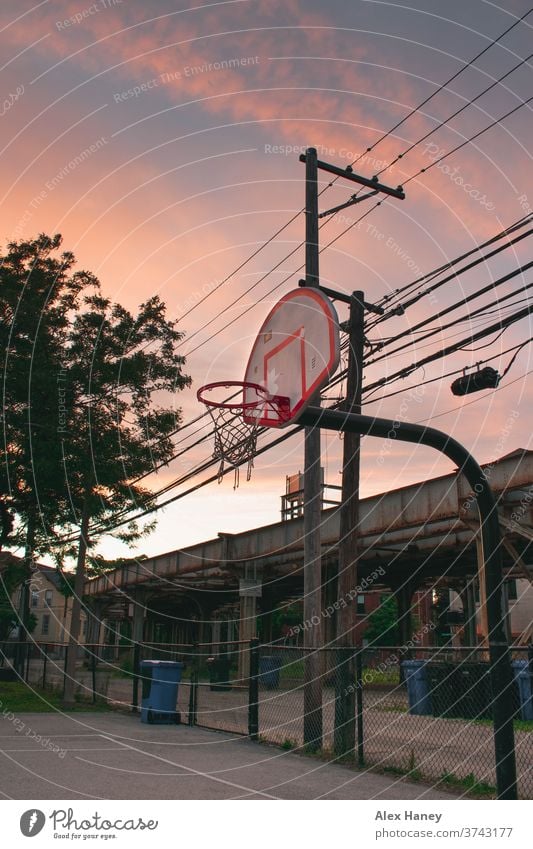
(253, 691)
(312, 499)
(45, 661)
(344, 736)
(136, 671)
(65, 669)
(359, 707)
(193, 692)
(501, 674)
(93, 672)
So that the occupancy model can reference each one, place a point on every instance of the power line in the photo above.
(468, 141)
(502, 324)
(208, 435)
(516, 348)
(432, 275)
(287, 434)
(445, 84)
(243, 264)
(369, 149)
(463, 302)
(361, 217)
(476, 400)
(455, 114)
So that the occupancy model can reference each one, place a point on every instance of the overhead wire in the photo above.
(332, 182)
(255, 253)
(517, 348)
(445, 84)
(205, 464)
(394, 296)
(289, 433)
(454, 114)
(429, 320)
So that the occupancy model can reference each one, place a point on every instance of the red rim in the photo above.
(229, 405)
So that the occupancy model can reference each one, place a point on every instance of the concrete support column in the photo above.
(330, 597)
(483, 618)
(404, 597)
(468, 596)
(267, 626)
(139, 613)
(506, 613)
(94, 611)
(247, 631)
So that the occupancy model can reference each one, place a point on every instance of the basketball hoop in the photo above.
(235, 438)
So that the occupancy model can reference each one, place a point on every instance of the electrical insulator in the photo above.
(485, 378)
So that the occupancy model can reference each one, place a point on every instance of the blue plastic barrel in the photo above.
(160, 680)
(523, 679)
(269, 671)
(418, 693)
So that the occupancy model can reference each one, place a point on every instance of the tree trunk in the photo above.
(24, 606)
(75, 616)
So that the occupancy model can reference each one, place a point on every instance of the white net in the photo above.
(235, 440)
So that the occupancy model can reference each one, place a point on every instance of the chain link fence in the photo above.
(425, 713)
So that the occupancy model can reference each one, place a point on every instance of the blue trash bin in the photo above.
(418, 692)
(160, 680)
(269, 667)
(523, 679)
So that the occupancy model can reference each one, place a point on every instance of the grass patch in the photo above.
(469, 783)
(396, 709)
(18, 697)
(292, 673)
(381, 676)
(523, 725)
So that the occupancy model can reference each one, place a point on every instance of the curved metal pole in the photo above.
(501, 674)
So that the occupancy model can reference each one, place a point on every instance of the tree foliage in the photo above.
(87, 405)
(382, 628)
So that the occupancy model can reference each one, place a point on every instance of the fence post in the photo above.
(359, 707)
(344, 733)
(530, 667)
(93, 672)
(28, 656)
(253, 691)
(45, 661)
(193, 692)
(136, 670)
(65, 669)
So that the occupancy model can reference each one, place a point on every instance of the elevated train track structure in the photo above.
(410, 538)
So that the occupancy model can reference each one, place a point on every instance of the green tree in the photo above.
(382, 628)
(121, 369)
(39, 290)
(87, 387)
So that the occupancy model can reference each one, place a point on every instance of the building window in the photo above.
(360, 604)
(511, 590)
(48, 597)
(45, 624)
(34, 598)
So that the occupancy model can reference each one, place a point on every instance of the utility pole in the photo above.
(312, 498)
(313, 664)
(344, 736)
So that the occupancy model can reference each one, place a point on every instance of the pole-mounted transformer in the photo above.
(485, 378)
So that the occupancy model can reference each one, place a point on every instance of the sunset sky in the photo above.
(162, 140)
